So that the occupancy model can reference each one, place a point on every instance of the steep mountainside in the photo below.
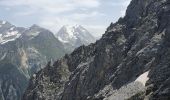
(24, 52)
(130, 61)
(74, 36)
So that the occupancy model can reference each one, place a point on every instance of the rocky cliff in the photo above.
(130, 61)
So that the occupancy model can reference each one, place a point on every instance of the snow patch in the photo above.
(3, 41)
(3, 22)
(12, 28)
(61, 40)
(143, 78)
(8, 34)
(83, 30)
(69, 30)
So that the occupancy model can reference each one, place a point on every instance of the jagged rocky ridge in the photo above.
(23, 52)
(137, 44)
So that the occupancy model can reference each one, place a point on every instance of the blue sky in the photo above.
(94, 15)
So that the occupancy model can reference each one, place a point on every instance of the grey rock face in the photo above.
(24, 52)
(136, 44)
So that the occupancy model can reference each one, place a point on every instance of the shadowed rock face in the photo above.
(107, 69)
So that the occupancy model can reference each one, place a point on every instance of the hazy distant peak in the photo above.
(35, 26)
(75, 36)
(70, 33)
(2, 22)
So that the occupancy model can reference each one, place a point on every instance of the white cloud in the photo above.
(83, 16)
(52, 6)
(7, 9)
(27, 13)
(87, 3)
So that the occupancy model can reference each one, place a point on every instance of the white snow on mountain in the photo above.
(69, 30)
(67, 33)
(3, 22)
(143, 78)
(8, 33)
(74, 35)
(9, 37)
(12, 33)
(12, 28)
(61, 40)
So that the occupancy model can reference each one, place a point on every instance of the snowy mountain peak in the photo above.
(8, 32)
(74, 35)
(68, 32)
(70, 27)
(2, 22)
(67, 29)
(5, 24)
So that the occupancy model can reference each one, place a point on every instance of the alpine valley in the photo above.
(129, 62)
(24, 52)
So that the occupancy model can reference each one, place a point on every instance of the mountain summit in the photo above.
(23, 52)
(9, 32)
(130, 62)
(74, 36)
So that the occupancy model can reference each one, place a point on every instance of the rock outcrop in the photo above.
(130, 61)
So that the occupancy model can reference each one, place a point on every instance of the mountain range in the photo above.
(24, 52)
(129, 62)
